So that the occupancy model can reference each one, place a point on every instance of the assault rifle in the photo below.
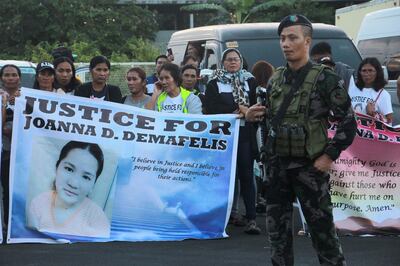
(263, 131)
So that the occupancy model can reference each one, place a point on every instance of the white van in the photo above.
(256, 41)
(379, 36)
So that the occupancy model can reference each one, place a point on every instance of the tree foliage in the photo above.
(242, 11)
(277, 9)
(231, 11)
(31, 27)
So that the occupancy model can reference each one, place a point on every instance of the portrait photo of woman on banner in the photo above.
(67, 207)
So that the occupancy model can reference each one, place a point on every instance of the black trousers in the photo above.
(5, 182)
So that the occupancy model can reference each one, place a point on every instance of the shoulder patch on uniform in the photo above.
(339, 95)
(321, 77)
(330, 79)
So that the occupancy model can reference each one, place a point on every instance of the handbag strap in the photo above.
(379, 94)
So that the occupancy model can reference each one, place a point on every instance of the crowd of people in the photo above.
(365, 85)
(172, 88)
(232, 90)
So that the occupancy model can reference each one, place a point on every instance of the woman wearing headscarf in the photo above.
(232, 90)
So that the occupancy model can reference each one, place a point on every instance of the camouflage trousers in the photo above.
(311, 187)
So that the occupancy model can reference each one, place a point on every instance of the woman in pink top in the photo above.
(67, 209)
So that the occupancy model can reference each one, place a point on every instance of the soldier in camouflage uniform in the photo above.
(302, 153)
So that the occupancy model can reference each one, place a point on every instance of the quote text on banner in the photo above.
(365, 180)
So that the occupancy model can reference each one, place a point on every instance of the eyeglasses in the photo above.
(232, 59)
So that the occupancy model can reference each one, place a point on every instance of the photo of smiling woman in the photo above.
(66, 209)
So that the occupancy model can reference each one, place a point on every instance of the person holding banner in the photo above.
(302, 97)
(232, 90)
(189, 78)
(368, 95)
(44, 79)
(65, 80)
(98, 89)
(169, 97)
(136, 79)
(10, 76)
(67, 209)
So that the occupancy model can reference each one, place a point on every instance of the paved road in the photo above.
(238, 249)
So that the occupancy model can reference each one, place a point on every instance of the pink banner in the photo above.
(365, 181)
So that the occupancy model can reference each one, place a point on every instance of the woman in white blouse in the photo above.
(368, 95)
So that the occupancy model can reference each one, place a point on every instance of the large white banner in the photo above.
(83, 170)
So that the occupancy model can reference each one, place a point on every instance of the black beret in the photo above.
(293, 20)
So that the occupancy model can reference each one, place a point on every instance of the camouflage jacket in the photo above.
(330, 100)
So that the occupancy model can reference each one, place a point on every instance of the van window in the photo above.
(255, 50)
(387, 50)
(195, 49)
(393, 67)
(179, 52)
(343, 50)
(211, 60)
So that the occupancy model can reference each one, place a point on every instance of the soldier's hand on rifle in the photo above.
(255, 113)
(323, 163)
(239, 114)
(242, 110)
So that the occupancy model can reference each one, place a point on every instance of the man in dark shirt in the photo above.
(150, 80)
(322, 53)
(98, 89)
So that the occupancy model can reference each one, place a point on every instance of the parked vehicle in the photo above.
(255, 41)
(379, 37)
(260, 41)
(28, 71)
(83, 73)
